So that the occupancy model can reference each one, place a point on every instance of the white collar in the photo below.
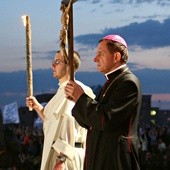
(106, 75)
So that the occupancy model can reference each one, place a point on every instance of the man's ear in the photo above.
(117, 57)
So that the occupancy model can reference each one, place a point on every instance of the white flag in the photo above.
(10, 113)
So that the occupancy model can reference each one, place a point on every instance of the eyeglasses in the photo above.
(56, 62)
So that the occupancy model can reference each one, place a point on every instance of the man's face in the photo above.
(104, 60)
(59, 66)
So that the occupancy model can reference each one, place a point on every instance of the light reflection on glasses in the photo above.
(57, 62)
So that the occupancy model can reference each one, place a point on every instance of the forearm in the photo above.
(40, 111)
(33, 103)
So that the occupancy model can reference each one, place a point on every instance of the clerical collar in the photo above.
(106, 75)
(63, 83)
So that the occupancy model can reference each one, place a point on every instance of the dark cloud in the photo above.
(133, 2)
(148, 17)
(44, 55)
(153, 81)
(149, 34)
(95, 1)
(163, 3)
(41, 55)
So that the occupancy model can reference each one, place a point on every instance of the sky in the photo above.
(143, 23)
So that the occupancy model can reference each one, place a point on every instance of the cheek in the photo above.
(58, 70)
(62, 71)
(107, 64)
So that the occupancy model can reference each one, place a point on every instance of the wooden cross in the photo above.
(70, 35)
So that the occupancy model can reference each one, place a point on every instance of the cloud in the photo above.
(155, 58)
(148, 34)
(149, 45)
(148, 17)
(48, 55)
(158, 2)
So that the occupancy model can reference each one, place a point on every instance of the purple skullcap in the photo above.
(116, 38)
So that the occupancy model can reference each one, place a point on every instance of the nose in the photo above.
(52, 66)
(95, 59)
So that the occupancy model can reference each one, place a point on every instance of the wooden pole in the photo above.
(27, 24)
(71, 43)
(29, 57)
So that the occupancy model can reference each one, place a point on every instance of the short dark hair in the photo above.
(113, 47)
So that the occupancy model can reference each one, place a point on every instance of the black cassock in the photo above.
(112, 123)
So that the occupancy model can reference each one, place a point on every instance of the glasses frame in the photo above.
(57, 62)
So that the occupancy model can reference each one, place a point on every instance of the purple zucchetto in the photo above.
(116, 38)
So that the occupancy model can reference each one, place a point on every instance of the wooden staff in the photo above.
(27, 25)
(71, 42)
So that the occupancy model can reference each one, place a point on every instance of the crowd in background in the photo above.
(23, 147)
(155, 147)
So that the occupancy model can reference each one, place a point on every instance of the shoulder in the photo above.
(131, 80)
(130, 76)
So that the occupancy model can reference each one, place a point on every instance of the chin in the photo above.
(99, 70)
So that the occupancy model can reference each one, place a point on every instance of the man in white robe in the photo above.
(61, 131)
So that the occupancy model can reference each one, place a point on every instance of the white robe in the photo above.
(61, 132)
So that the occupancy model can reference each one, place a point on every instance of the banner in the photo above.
(10, 113)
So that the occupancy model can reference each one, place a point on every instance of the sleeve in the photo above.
(63, 147)
(113, 109)
(65, 134)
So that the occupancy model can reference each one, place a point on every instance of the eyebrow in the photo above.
(57, 59)
(99, 52)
